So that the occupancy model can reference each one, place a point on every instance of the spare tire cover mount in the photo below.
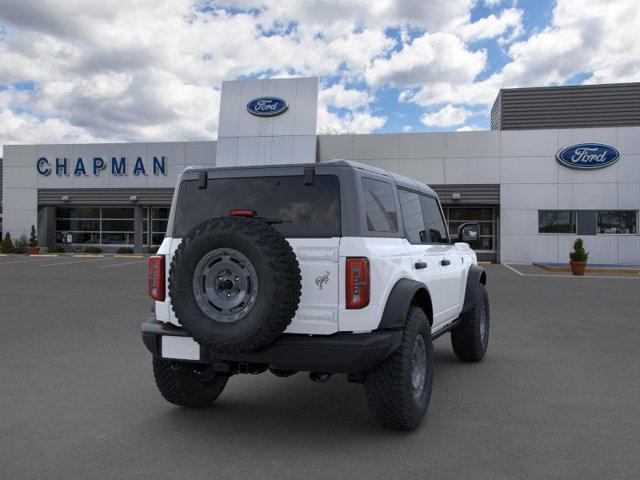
(225, 285)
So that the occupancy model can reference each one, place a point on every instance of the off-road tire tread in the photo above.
(286, 274)
(465, 337)
(390, 402)
(181, 387)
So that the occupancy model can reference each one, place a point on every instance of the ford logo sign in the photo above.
(588, 156)
(267, 106)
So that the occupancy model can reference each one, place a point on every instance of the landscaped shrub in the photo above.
(7, 244)
(33, 238)
(92, 250)
(56, 249)
(153, 250)
(21, 244)
(124, 250)
(579, 254)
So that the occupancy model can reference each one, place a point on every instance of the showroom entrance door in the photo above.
(487, 245)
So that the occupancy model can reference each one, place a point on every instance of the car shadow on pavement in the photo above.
(286, 406)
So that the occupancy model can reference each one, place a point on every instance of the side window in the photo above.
(412, 216)
(437, 232)
(379, 206)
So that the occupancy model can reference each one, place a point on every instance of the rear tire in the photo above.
(470, 339)
(398, 390)
(179, 384)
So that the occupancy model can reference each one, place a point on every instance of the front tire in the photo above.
(179, 384)
(398, 390)
(470, 339)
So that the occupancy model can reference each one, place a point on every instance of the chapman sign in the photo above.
(588, 156)
(96, 165)
(267, 106)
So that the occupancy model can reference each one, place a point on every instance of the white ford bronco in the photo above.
(327, 268)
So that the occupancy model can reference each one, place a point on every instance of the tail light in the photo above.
(156, 277)
(358, 282)
(242, 213)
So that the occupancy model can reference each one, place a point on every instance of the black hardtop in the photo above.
(297, 168)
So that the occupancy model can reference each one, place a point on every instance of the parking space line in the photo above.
(69, 263)
(565, 276)
(22, 261)
(121, 264)
(513, 269)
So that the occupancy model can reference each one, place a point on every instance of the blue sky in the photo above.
(151, 70)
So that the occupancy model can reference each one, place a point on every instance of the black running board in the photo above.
(447, 328)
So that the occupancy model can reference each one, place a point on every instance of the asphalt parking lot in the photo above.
(558, 395)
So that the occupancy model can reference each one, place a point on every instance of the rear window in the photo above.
(306, 210)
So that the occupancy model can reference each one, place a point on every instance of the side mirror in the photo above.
(469, 232)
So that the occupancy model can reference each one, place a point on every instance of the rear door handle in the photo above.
(445, 261)
(420, 265)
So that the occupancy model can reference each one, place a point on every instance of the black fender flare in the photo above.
(476, 276)
(399, 301)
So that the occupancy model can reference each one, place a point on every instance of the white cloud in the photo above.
(432, 57)
(151, 69)
(509, 20)
(469, 128)
(583, 37)
(407, 128)
(351, 122)
(338, 96)
(447, 116)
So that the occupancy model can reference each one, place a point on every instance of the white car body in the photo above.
(322, 261)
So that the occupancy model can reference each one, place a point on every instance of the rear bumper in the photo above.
(338, 353)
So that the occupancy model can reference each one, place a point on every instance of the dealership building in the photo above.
(559, 162)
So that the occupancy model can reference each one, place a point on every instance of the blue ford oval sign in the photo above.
(267, 106)
(588, 156)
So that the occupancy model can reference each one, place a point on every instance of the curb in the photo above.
(589, 270)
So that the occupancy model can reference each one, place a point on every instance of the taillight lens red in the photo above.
(242, 213)
(358, 282)
(156, 277)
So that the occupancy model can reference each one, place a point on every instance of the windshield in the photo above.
(305, 210)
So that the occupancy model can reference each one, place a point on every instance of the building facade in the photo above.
(531, 204)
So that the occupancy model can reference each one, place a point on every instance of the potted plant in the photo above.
(578, 258)
(33, 242)
(7, 244)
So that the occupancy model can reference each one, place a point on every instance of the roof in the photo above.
(400, 180)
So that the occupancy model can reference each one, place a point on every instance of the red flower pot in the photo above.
(578, 268)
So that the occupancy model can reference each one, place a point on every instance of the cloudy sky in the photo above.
(126, 70)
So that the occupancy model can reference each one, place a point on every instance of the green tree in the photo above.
(33, 238)
(579, 254)
(7, 244)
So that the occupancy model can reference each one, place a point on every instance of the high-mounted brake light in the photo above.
(156, 278)
(358, 282)
(242, 213)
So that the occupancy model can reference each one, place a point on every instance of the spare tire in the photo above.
(234, 284)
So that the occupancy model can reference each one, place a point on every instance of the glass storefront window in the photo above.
(456, 216)
(95, 225)
(618, 221)
(556, 221)
(159, 219)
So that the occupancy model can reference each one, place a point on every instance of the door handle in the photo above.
(445, 261)
(420, 265)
